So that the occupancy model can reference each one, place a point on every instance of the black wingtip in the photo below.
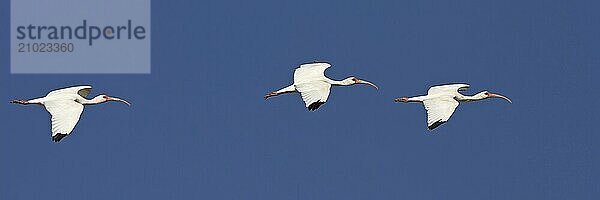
(58, 137)
(436, 124)
(315, 105)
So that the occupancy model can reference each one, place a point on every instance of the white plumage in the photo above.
(441, 101)
(309, 81)
(312, 84)
(65, 115)
(65, 106)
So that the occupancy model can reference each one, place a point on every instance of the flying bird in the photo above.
(65, 106)
(441, 101)
(312, 84)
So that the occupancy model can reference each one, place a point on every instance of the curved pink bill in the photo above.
(500, 96)
(119, 100)
(368, 83)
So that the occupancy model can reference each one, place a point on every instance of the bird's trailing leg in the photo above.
(26, 102)
(22, 102)
(287, 89)
(271, 94)
(410, 99)
(402, 99)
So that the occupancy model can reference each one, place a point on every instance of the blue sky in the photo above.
(200, 129)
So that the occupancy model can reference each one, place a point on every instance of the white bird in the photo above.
(65, 106)
(313, 86)
(441, 101)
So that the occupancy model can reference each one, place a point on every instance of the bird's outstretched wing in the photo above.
(451, 88)
(309, 80)
(439, 110)
(314, 93)
(83, 91)
(310, 71)
(65, 115)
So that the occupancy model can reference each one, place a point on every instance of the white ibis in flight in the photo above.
(441, 101)
(313, 86)
(65, 106)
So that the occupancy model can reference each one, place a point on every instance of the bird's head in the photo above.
(105, 98)
(485, 94)
(353, 80)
